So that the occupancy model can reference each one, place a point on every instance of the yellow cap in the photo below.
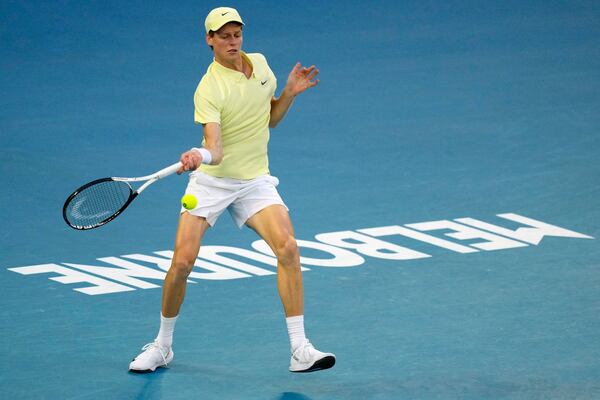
(220, 16)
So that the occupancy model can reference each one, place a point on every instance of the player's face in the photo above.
(226, 42)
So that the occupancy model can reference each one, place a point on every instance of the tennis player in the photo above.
(236, 106)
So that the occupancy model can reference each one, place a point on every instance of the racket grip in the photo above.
(171, 169)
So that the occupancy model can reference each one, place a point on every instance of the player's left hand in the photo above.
(301, 78)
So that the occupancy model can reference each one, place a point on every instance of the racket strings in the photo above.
(97, 203)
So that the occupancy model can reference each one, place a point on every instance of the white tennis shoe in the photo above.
(307, 359)
(153, 356)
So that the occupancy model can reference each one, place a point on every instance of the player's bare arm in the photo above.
(192, 159)
(299, 80)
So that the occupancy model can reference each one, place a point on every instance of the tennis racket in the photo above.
(98, 202)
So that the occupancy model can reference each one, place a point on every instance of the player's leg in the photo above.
(190, 231)
(274, 226)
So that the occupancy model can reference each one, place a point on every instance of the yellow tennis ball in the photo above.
(189, 201)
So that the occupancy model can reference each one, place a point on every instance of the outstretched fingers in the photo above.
(312, 73)
(302, 78)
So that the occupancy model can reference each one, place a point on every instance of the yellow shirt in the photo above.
(242, 107)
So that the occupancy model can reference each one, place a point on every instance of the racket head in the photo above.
(96, 203)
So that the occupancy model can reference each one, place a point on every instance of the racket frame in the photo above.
(150, 179)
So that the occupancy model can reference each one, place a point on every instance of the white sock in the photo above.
(165, 333)
(295, 326)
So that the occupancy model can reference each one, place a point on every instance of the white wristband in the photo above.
(206, 156)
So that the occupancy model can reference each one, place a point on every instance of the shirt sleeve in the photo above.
(207, 105)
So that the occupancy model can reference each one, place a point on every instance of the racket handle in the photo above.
(168, 171)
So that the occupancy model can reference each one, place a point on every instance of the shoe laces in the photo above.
(153, 345)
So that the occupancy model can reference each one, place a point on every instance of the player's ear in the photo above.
(209, 38)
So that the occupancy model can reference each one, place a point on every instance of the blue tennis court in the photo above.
(443, 180)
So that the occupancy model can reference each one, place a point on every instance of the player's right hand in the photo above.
(190, 161)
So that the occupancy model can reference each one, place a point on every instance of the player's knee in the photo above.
(182, 266)
(287, 251)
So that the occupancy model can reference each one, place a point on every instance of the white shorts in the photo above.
(242, 198)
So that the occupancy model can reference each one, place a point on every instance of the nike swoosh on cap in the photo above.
(225, 13)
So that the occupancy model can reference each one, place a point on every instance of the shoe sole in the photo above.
(323, 363)
(146, 371)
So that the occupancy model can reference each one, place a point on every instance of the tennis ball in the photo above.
(189, 201)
